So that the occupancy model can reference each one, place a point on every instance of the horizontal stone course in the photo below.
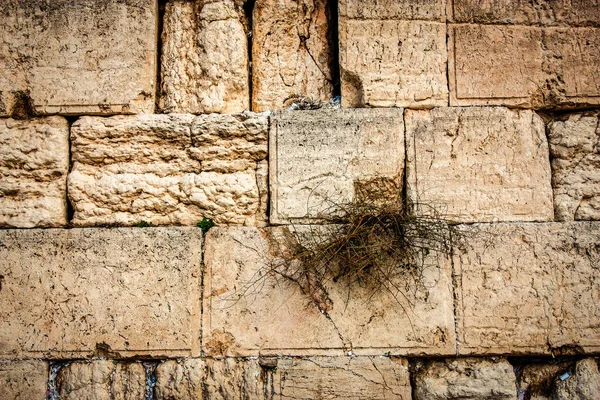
(82, 292)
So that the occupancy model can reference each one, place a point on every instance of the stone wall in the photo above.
(125, 123)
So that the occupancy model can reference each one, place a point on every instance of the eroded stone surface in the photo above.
(342, 378)
(34, 161)
(544, 12)
(479, 164)
(583, 384)
(428, 10)
(204, 58)
(291, 54)
(102, 380)
(536, 381)
(74, 293)
(248, 312)
(392, 62)
(528, 288)
(23, 379)
(320, 159)
(79, 57)
(524, 66)
(575, 149)
(465, 378)
(168, 169)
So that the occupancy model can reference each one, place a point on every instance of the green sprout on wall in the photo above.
(205, 224)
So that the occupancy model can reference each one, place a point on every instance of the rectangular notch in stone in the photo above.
(321, 160)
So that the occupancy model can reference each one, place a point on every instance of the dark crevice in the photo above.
(333, 38)
(54, 367)
(162, 5)
(248, 11)
(150, 368)
(70, 209)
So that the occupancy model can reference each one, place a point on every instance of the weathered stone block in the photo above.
(34, 161)
(320, 159)
(342, 378)
(79, 292)
(88, 56)
(168, 169)
(479, 164)
(529, 288)
(291, 55)
(524, 66)
(583, 384)
(23, 379)
(102, 380)
(389, 56)
(204, 58)
(247, 311)
(536, 381)
(196, 379)
(575, 149)
(465, 378)
(544, 12)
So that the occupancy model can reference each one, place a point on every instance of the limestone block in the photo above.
(102, 380)
(322, 158)
(524, 66)
(75, 293)
(575, 150)
(479, 164)
(34, 161)
(342, 378)
(196, 379)
(465, 378)
(520, 12)
(393, 53)
(535, 381)
(248, 311)
(23, 379)
(83, 57)
(528, 288)
(204, 58)
(168, 169)
(584, 384)
(291, 54)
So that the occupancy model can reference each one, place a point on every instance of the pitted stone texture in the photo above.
(523, 66)
(204, 58)
(248, 312)
(102, 380)
(71, 293)
(342, 378)
(536, 381)
(291, 55)
(393, 63)
(427, 10)
(34, 161)
(520, 12)
(528, 288)
(465, 378)
(320, 159)
(479, 164)
(583, 384)
(82, 57)
(196, 379)
(168, 169)
(575, 149)
(23, 379)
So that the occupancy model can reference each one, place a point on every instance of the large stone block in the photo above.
(168, 169)
(479, 164)
(34, 161)
(23, 379)
(291, 54)
(584, 383)
(101, 380)
(124, 292)
(323, 159)
(392, 53)
(82, 57)
(529, 288)
(521, 12)
(248, 311)
(465, 378)
(342, 378)
(204, 58)
(575, 149)
(524, 66)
